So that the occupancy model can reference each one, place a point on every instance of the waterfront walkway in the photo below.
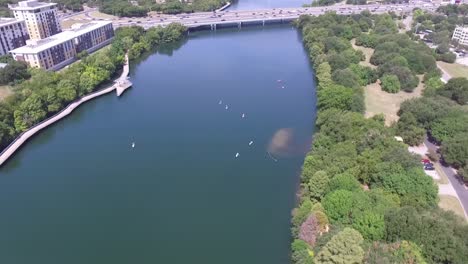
(120, 85)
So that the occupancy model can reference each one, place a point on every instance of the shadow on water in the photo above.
(166, 49)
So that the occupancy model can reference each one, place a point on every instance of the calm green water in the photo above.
(78, 193)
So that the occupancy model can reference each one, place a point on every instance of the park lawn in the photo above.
(69, 22)
(5, 91)
(388, 104)
(381, 102)
(367, 52)
(454, 69)
(97, 14)
(443, 177)
(451, 203)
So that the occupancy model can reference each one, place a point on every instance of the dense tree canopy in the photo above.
(342, 248)
(357, 175)
(456, 89)
(15, 71)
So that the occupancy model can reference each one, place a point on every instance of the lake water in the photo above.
(79, 193)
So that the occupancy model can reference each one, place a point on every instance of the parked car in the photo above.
(429, 166)
(425, 161)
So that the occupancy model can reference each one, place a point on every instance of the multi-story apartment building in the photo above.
(41, 18)
(13, 34)
(59, 50)
(461, 34)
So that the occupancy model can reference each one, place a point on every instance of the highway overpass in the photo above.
(239, 18)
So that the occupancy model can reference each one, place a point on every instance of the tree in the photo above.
(322, 220)
(336, 96)
(342, 248)
(344, 181)
(390, 83)
(302, 257)
(426, 109)
(365, 75)
(399, 252)
(455, 150)
(30, 112)
(66, 91)
(301, 252)
(448, 57)
(440, 235)
(309, 230)
(318, 184)
(15, 71)
(408, 81)
(370, 224)
(432, 85)
(456, 89)
(338, 204)
(449, 126)
(409, 130)
(88, 81)
(323, 74)
(413, 186)
(443, 48)
(346, 78)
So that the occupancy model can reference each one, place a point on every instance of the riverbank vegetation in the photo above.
(124, 8)
(45, 93)
(363, 197)
(141, 8)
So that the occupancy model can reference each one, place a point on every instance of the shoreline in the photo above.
(120, 85)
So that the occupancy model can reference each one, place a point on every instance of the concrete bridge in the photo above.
(240, 18)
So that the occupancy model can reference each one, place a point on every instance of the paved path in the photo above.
(445, 75)
(122, 83)
(458, 186)
(23, 137)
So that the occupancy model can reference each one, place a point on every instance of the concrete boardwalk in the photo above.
(120, 85)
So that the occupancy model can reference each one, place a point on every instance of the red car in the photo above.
(425, 161)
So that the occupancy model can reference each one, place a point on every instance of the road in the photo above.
(86, 12)
(225, 17)
(454, 180)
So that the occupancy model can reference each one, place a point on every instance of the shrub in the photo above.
(390, 83)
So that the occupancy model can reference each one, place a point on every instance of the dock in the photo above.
(122, 83)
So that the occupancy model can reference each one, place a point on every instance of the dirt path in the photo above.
(367, 52)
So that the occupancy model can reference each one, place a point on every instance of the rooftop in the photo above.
(29, 5)
(36, 46)
(5, 21)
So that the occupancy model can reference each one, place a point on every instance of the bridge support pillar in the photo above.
(263, 22)
(239, 25)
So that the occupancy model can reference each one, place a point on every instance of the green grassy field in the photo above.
(454, 69)
(451, 203)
